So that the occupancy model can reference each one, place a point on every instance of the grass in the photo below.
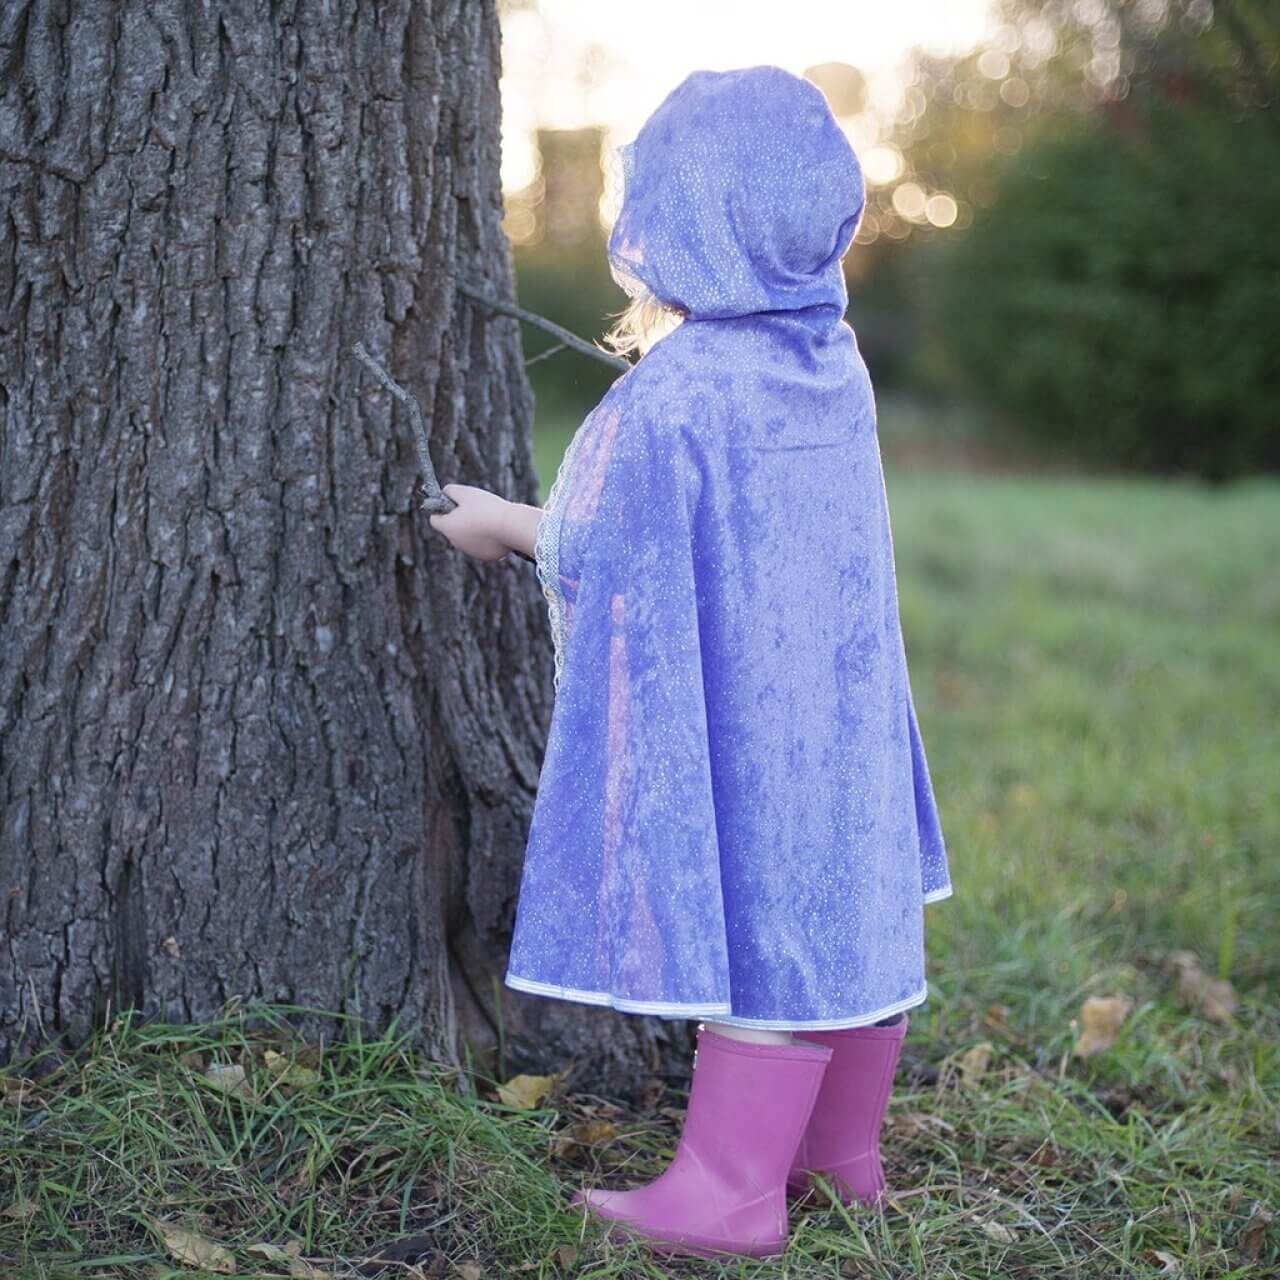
(1097, 673)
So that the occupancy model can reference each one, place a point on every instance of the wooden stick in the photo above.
(436, 499)
(568, 338)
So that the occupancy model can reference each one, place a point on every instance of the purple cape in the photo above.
(734, 817)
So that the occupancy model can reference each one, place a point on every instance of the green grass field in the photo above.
(1097, 672)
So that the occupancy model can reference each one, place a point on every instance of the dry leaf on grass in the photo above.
(301, 1269)
(19, 1209)
(586, 1133)
(974, 1062)
(527, 1092)
(906, 1123)
(230, 1078)
(272, 1252)
(1170, 1263)
(1046, 1155)
(1212, 998)
(287, 1071)
(193, 1249)
(1100, 1021)
(470, 1270)
(997, 1017)
(19, 1091)
(1253, 1236)
(567, 1255)
(999, 1232)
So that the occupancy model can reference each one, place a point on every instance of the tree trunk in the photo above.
(263, 732)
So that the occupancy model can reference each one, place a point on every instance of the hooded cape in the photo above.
(734, 816)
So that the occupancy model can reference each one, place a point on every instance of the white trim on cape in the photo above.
(714, 1012)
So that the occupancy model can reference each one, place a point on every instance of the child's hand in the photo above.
(476, 524)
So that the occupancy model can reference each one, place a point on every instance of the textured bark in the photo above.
(263, 732)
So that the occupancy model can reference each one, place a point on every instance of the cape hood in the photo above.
(741, 193)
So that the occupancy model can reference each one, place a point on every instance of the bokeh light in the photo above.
(941, 209)
(909, 200)
(882, 164)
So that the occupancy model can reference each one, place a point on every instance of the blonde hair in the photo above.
(640, 324)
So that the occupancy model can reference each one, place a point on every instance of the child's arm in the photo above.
(486, 525)
(521, 527)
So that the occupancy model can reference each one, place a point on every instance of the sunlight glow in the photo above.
(568, 64)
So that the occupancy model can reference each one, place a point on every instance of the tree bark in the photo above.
(262, 731)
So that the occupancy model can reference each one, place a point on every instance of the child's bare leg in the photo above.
(749, 1033)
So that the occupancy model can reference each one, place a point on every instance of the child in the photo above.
(734, 819)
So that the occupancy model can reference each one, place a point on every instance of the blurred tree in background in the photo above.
(1118, 294)
(1122, 296)
(562, 268)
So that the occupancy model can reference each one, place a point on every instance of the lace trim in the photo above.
(546, 554)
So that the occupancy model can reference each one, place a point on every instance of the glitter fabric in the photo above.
(734, 818)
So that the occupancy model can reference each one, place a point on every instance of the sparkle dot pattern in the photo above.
(734, 817)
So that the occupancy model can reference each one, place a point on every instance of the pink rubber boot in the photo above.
(725, 1189)
(842, 1139)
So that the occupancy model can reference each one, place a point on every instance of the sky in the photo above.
(571, 63)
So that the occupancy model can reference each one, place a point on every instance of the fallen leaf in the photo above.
(999, 1232)
(907, 1123)
(301, 1269)
(1212, 998)
(1253, 1235)
(974, 1062)
(19, 1209)
(18, 1090)
(1100, 1021)
(194, 1249)
(272, 1252)
(567, 1255)
(471, 1270)
(230, 1078)
(288, 1072)
(1046, 1155)
(997, 1017)
(526, 1092)
(586, 1133)
(1171, 1264)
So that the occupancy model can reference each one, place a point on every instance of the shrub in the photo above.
(1121, 295)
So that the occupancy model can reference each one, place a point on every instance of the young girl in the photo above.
(734, 820)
